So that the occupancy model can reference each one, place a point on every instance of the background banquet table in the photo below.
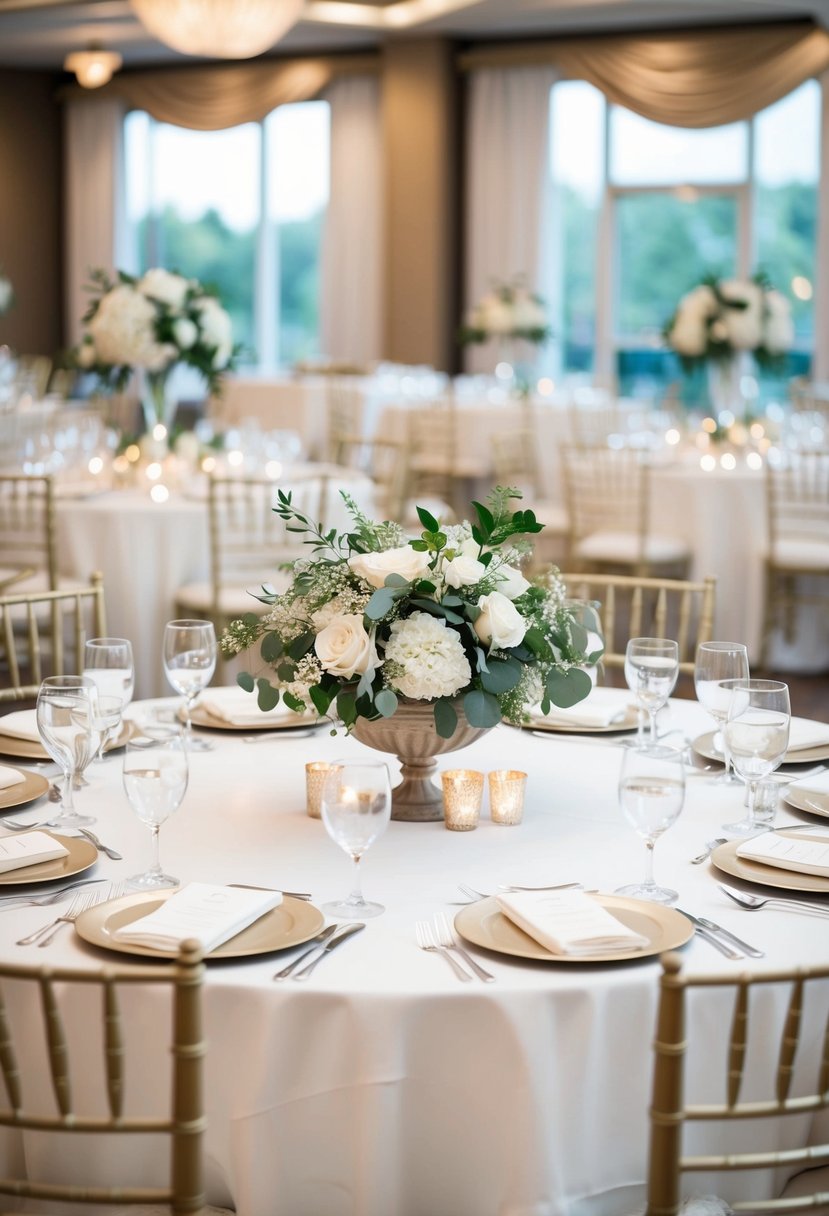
(383, 1084)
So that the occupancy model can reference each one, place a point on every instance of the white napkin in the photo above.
(569, 922)
(602, 707)
(238, 708)
(805, 733)
(22, 724)
(28, 849)
(10, 776)
(211, 914)
(788, 853)
(819, 784)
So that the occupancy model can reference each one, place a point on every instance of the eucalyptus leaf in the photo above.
(380, 604)
(502, 676)
(272, 647)
(293, 702)
(385, 702)
(446, 718)
(481, 708)
(268, 697)
(245, 680)
(567, 688)
(347, 708)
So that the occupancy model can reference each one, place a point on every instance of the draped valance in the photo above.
(690, 78)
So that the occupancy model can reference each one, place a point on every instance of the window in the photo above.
(240, 209)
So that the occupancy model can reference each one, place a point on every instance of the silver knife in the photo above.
(316, 943)
(710, 937)
(752, 951)
(327, 948)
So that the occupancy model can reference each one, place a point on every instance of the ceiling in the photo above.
(39, 33)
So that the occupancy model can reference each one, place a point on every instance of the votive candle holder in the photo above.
(315, 773)
(506, 795)
(463, 792)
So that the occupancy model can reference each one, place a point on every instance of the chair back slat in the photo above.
(8, 1059)
(823, 1078)
(737, 1045)
(113, 1049)
(56, 1041)
(27, 524)
(789, 1041)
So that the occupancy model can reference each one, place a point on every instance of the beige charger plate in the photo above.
(32, 787)
(813, 803)
(629, 722)
(27, 749)
(725, 858)
(704, 746)
(80, 857)
(295, 921)
(200, 717)
(484, 924)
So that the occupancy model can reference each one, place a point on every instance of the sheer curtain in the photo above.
(95, 232)
(353, 240)
(507, 183)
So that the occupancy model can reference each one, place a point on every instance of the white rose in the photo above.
(500, 624)
(463, 571)
(185, 333)
(167, 288)
(744, 324)
(779, 330)
(376, 567)
(216, 329)
(344, 648)
(511, 581)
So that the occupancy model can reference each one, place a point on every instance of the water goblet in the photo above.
(651, 671)
(189, 663)
(105, 720)
(64, 717)
(717, 666)
(108, 662)
(356, 808)
(651, 794)
(756, 735)
(155, 778)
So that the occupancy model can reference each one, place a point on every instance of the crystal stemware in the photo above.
(717, 666)
(651, 795)
(155, 778)
(356, 807)
(651, 671)
(189, 663)
(65, 718)
(756, 735)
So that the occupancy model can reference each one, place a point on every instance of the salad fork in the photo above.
(423, 933)
(446, 938)
(46, 933)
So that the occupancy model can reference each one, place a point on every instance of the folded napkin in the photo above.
(28, 849)
(819, 784)
(22, 724)
(238, 708)
(787, 853)
(210, 914)
(569, 922)
(602, 707)
(805, 733)
(10, 776)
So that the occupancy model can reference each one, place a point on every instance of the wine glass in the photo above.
(189, 663)
(105, 719)
(64, 716)
(651, 794)
(717, 665)
(651, 670)
(356, 806)
(155, 778)
(756, 735)
(108, 662)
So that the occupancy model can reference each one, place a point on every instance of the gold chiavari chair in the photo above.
(28, 548)
(515, 463)
(798, 1086)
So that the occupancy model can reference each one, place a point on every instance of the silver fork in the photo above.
(710, 845)
(473, 895)
(446, 938)
(46, 932)
(43, 901)
(423, 933)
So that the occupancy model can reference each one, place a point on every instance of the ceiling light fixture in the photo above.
(221, 29)
(93, 67)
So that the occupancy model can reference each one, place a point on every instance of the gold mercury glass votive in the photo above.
(506, 795)
(315, 773)
(463, 791)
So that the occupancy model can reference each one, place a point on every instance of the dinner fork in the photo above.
(473, 895)
(80, 903)
(446, 938)
(755, 902)
(43, 901)
(423, 933)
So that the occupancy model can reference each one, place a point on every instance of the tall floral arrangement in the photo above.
(508, 311)
(719, 319)
(371, 616)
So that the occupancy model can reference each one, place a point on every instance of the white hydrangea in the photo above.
(745, 325)
(167, 288)
(122, 331)
(426, 658)
(216, 329)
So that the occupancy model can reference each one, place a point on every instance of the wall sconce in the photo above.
(93, 67)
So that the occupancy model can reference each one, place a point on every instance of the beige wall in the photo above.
(30, 210)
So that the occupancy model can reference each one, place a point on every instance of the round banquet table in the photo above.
(383, 1084)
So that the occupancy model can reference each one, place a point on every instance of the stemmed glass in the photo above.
(155, 778)
(717, 666)
(651, 671)
(756, 734)
(189, 663)
(65, 715)
(651, 794)
(356, 807)
(105, 719)
(108, 662)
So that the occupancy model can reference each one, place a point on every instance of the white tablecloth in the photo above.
(383, 1085)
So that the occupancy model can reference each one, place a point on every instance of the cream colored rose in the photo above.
(511, 581)
(344, 648)
(376, 567)
(500, 624)
(463, 571)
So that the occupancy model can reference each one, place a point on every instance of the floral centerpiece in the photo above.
(373, 621)
(508, 313)
(151, 324)
(6, 294)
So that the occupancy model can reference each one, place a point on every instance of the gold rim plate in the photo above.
(704, 746)
(200, 717)
(813, 802)
(32, 787)
(628, 723)
(725, 858)
(80, 857)
(295, 921)
(484, 924)
(27, 749)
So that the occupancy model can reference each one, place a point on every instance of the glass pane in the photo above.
(644, 153)
(577, 158)
(297, 149)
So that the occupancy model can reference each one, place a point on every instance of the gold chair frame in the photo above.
(28, 525)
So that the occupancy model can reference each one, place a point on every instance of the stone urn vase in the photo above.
(410, 735)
